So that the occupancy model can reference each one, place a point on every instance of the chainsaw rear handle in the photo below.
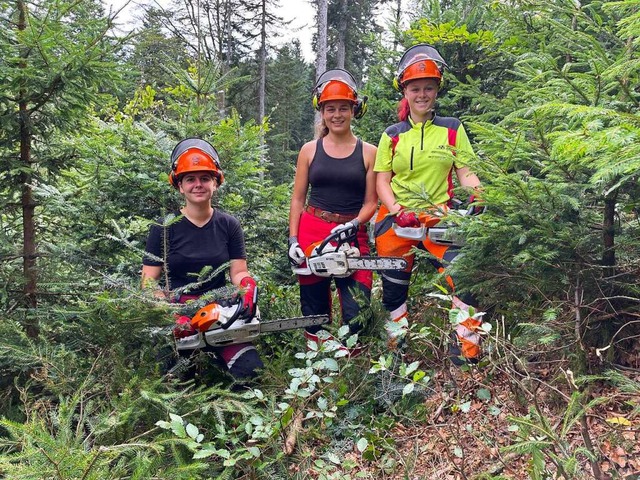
(412, 233)
(301, 270)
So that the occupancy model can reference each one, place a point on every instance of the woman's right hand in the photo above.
(295, 253)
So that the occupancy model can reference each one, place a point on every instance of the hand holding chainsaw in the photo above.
(406, 219)
(346, 231)
(336, 257)
(295, 253)
(250, 297)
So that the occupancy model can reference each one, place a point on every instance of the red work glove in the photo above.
(183, 327)
(250, 297)
(475, 207)
(407, 219)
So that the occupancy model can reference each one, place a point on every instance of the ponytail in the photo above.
(403, 110)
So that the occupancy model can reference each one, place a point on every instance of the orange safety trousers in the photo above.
(395, 285)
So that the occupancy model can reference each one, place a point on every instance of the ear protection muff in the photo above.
(397, 85)
(314, 99)
(173, 179)
(360, 108)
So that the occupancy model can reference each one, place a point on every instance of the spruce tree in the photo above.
(57, 57)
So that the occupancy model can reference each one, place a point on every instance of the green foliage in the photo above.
(548, 92)
(558, 158)
(549, 449)
(291, 115)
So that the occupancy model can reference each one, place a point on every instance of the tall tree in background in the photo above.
(212, 29)
(57, 56)
(343, 22)
(289, 82)
(321, 38)
(155, 51)
(351, 31)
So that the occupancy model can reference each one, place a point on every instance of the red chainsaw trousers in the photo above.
(354, 291)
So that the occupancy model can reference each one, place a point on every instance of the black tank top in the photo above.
(338, 185)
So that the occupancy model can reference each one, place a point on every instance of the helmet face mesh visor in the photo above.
(336, 74)
(418, 53)
(197, 143)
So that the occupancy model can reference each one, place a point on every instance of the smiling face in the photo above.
(337, 115)
(421, 95)
(198, 187)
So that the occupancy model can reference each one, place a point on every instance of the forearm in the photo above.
(149, 280)
(238, 270)
(295, 211)
(367, 211)
(468, 179)
(385, 193)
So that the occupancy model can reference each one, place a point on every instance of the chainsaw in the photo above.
(335, 256)
(442, 233)
(218, 325)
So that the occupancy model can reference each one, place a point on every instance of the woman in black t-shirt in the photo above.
(202, 237)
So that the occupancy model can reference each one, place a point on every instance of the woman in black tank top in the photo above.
(335, 172)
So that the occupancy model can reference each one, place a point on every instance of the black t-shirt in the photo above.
(191, 248)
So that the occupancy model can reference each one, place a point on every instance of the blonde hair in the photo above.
(321, 129)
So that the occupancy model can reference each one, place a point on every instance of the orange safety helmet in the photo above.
(419, 61)
(338, 84)
(194, 155)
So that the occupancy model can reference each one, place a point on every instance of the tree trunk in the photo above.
(263, 81)
(30, 273)
(342, 35)
(263, 61)
(321, 59)
(230, 40)
(608, 232)
(396, 40)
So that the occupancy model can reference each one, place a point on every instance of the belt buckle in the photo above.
(322, 215)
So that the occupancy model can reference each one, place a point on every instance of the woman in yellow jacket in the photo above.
(415, 164)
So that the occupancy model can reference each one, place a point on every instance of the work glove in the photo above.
(183, 327)
(407, 219)
(475, 208)
(250, 297)
(296, 255)
(347, 230)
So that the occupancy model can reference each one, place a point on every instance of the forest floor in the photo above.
(464, 436)
(466, 429)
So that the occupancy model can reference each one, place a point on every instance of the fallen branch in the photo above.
(292, 436)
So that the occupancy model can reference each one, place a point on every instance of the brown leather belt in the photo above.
(329, 216)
